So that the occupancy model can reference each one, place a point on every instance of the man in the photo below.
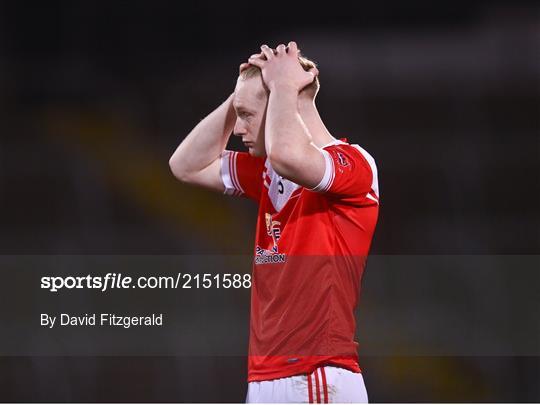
(318, 206)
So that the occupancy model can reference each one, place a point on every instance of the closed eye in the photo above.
(244, 114)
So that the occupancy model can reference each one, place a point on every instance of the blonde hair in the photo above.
(311, 89)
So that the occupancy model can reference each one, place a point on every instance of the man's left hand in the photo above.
(282, 68)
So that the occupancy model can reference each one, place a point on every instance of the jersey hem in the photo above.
(351, 365)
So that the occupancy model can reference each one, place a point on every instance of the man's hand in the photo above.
(282, 68)
(243, 66)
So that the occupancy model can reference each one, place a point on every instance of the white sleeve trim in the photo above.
(228, 173)
(328, 177)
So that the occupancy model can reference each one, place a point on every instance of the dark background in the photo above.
(96, 95)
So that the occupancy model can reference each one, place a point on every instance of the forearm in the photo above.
(205, 142)
(285, 131)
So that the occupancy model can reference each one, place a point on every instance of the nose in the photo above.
(239, 128)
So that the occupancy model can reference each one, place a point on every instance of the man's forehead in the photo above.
(239, 102)
(249, 91)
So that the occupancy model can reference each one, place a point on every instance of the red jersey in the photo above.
(310, 251)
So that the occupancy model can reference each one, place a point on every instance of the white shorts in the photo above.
(325, 385)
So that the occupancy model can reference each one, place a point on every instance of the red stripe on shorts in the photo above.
(317, 387)
(325, 388)
(310, 389)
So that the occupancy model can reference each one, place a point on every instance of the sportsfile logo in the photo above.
(265, 256)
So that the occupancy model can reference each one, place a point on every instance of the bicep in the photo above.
(209, 177)
(232, 173)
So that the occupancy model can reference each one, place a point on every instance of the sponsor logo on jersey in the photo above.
(273, 228)
(265, 256)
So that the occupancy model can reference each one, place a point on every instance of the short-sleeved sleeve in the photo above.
(242, 174)
(350, 172)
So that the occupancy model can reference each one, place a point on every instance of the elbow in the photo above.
(276, 161)
(178, 170)
(283, 160)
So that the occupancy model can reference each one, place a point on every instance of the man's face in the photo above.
(250, 100)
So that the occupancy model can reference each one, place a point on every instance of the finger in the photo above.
(314, 71)
(258, 55)
(292, 47)
(267, 52)
(257, 62)
(243, 67)
(281, 49)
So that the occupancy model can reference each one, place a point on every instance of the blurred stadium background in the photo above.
(96, 95)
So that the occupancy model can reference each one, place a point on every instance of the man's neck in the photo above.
(319, 133)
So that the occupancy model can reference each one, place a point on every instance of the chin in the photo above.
(255, 153)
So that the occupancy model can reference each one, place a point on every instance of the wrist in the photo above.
(283, 88)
